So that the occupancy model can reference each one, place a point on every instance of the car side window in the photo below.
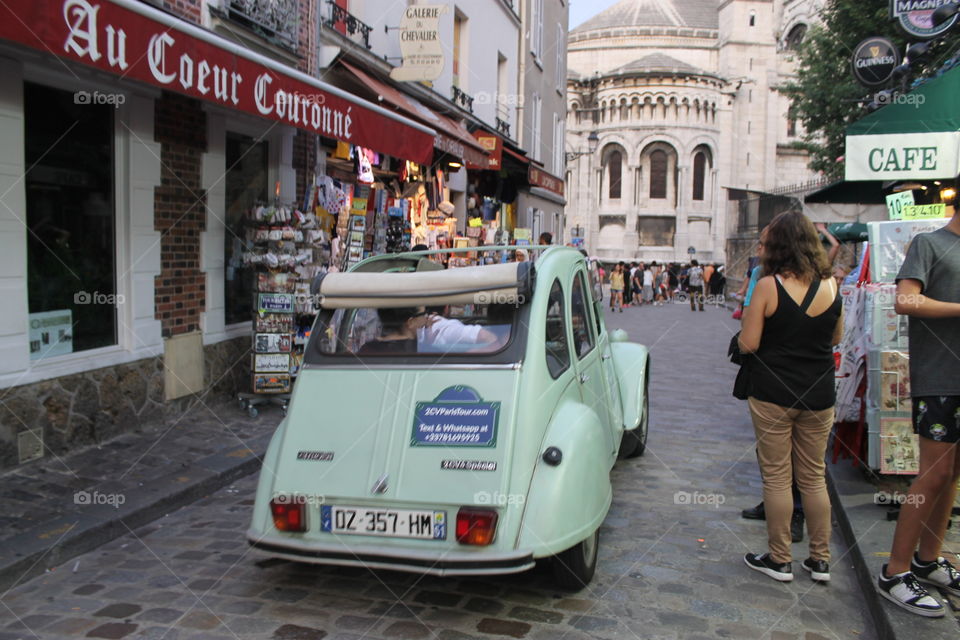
(557, 347)
(583, 341)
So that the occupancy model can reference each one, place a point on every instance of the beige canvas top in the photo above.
(498, 283)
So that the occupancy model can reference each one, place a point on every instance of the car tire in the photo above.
(574, 568)
(633, 443)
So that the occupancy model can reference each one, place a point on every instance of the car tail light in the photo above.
(476, 526)
(289, 513)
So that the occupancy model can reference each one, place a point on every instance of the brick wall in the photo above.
(180, 213)
(188, 10)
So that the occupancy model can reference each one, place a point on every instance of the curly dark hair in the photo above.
(792, 245)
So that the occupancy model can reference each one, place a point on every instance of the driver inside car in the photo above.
(440, 333)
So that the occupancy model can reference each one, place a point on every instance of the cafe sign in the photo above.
(539, 178)
(420, 44)
(916, 17)
(903, 156)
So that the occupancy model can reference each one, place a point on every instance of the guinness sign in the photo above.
(916, 17)
(874, 60)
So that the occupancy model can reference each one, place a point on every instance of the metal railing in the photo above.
(503, 127)
(273, 20)
(352, 24)
(461, 98)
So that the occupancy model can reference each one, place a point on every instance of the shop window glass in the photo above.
(71, 247)
(614, 171)
(580, 317)
(558, 349)
(658, 174)
(246, 184)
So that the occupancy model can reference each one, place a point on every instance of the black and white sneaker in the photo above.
(765, 565)
(905, 591)
(819, 570)
(939, 573)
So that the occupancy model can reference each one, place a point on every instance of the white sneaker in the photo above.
(939, 573)
(906, 592)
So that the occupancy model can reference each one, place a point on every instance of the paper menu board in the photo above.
(899, 446)
(889, 242)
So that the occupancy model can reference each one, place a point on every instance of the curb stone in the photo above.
(29, 554)
(857, 516)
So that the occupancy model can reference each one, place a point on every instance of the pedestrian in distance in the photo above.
(648, 283)
(928, 291)
(636, 284)
(616, 288)
(794, 319)
(695, 285)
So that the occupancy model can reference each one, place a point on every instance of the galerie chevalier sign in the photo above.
(139, 42)
(420, 44)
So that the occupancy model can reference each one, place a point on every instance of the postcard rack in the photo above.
(287, 250)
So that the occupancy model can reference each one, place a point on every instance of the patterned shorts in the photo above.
(937, 418)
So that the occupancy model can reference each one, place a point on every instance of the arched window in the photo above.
(699, 174)
(795, 37)
(658, 174)
(614, 169)
(753, 18)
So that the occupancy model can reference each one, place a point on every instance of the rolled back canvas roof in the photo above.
(509, 283)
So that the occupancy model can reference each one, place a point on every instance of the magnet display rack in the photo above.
(287, 251)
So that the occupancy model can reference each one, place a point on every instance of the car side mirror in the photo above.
(618, 335)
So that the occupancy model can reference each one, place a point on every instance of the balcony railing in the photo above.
(345, 22)
(273, 20)
(462, 99)
(503, 127)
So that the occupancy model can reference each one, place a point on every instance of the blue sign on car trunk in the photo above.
(457, 417)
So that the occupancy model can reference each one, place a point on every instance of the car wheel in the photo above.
(634, 442)
(574, 568)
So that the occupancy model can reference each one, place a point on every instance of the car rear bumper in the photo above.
(377, 557)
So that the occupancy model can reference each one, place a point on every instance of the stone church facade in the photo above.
(682, 96)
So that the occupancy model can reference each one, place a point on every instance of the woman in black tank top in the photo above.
(793, 322)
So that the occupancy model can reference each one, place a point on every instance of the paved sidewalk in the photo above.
(869, 533)
(59, 507)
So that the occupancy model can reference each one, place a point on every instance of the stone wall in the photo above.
(94, 406)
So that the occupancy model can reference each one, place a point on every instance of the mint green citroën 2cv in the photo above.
(459, 421)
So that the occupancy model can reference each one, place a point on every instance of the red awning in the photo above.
(452, 137)
(537, 177)
(134, 40)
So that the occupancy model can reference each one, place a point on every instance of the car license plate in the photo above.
(394, 523)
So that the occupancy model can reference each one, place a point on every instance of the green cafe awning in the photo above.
(915, 138)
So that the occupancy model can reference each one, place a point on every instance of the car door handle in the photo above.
(584, 378)
(606, 356)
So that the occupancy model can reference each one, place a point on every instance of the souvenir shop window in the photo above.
(71, 246)
(246, 185)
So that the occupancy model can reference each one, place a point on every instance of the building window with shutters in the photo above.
(614, 173)
(658, 174)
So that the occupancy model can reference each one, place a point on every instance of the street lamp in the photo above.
(592, 141)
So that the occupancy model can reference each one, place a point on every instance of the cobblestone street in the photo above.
(671, 550)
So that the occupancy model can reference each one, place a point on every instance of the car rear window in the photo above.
(392, 332)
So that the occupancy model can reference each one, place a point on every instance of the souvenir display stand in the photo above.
(287, 249)
(892, 447)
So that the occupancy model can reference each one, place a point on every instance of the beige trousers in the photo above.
(793, 442)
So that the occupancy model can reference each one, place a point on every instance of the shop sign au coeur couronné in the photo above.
(138, 42)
